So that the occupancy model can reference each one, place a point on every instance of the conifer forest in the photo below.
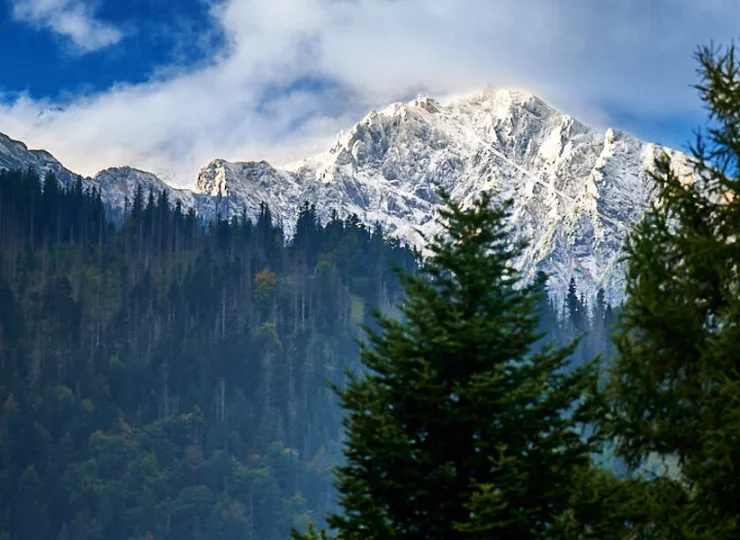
(166, 377)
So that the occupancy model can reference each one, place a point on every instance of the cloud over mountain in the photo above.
(289, 73)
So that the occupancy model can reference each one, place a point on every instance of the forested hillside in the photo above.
(167, 378)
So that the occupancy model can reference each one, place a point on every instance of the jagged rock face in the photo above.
(16, 155)
(231, 188)
(118, 185)
(576, 191)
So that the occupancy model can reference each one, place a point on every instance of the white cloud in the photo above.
(73, 19)
(587, 58)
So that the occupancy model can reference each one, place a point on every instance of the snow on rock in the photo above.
(118, 185)
(16, 155)
(576, 191)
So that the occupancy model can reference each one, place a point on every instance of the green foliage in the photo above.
(311, 534)
(165, 378)
(675, 388)
(458, 428)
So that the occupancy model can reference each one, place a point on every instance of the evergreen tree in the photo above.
(458, 429)
(574, 306)
(155, 382)
(674, 394)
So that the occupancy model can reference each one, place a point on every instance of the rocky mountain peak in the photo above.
(576, 190)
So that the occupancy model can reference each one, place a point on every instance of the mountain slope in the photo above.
(116, 184)
(576, 191)
(16, 155)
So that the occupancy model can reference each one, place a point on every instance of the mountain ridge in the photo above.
(576, 190)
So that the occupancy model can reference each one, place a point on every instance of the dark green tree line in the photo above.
(165, 379)
(459, 428)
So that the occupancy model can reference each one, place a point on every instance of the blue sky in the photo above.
(150, 34)
(167, 85)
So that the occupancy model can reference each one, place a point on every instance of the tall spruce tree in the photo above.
(458, 429)
(674, 393)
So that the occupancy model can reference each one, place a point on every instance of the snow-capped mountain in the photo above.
(16, 155)
(118, 185)
(576, 190)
